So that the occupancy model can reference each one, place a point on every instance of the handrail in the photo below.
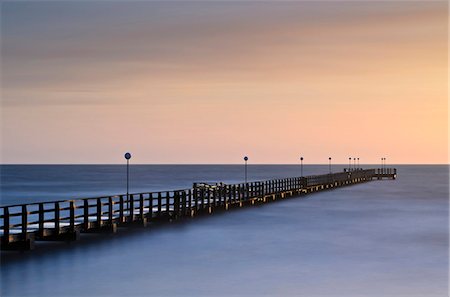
(134, 206)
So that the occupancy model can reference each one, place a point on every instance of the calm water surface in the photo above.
(383, 238)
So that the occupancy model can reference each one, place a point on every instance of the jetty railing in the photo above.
(22, 224)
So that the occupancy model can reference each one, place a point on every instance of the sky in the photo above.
(209, 82)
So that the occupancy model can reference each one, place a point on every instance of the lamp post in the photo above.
(350, 164)
(301, 166)
(245, 159)
(128, 157)
(358, 163)
(354, 163)
(329, 163)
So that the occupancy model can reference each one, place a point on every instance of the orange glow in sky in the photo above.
(205, 82)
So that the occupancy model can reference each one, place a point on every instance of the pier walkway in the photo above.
(23, 224)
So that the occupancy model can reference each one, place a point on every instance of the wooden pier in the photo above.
(23, 224)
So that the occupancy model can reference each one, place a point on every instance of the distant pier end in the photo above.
(23, 224)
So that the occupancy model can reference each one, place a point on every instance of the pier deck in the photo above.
(23, 224)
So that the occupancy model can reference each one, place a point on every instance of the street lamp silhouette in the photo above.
(128, 157)
(245, 159)
(329, 160)
(358, 163)
(354, 163)
(350, 164)
(301, 166)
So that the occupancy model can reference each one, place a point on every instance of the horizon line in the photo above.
(222, 164)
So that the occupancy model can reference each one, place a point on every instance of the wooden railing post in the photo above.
(176, 206)
(195, 196)
(263, 189)
(190, 201)
(24, 221)
(72, 215)
(99, 212)
(150, 206)
(6, 224)
(57, 216)
(260, 189)
(167, 202)
(41, 219)
(208, 196)
(86, 214)
(159, 204)
(215, 196)
(141, 206)
(202, 196)
(241, 193)
(131, 210)
(121, 208)
(110, 211)
(183, 203)
(218, 196)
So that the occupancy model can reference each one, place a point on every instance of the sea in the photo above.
(380, 238)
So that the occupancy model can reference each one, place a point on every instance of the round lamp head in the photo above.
(245, 158)
(301, 158)
(128, 156)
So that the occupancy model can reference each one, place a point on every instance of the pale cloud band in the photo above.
(84, 81)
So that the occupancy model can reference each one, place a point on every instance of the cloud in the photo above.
(174, 70)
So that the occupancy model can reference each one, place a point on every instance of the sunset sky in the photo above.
(210, 82)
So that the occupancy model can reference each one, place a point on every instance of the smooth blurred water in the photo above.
(382, 238)
(31, 183)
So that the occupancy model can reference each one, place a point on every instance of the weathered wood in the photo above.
(56, 219)
(181, 203)
(195, 197)
(6, 224)
(131, 209)
(110, 210)
(24, 222)
(121, 209)
(202, 197)
(72, 215)
(86, 214)
(176, 203)
(208, 196)
(190, 202)
(150, 206)
(41, 217)
(99, 213)
(167, 203)
(141, 207)
(159, 204)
